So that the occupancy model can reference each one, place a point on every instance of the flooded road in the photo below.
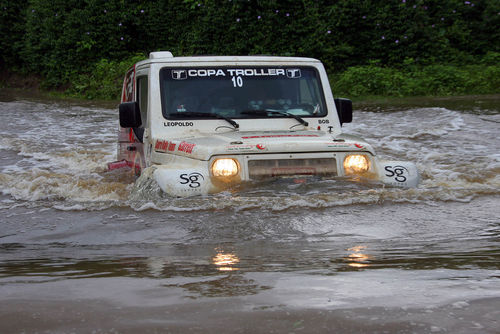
(87, 251)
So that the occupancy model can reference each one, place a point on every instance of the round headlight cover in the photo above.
(225, 167)
(356, 164)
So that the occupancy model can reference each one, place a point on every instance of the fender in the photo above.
(399, 173)
(183, 182)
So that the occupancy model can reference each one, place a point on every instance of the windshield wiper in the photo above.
(265, 112)
(204, 114)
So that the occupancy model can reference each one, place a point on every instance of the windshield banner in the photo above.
(183, 74)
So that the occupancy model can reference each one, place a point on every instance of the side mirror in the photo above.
(344, 110)
(130, 115)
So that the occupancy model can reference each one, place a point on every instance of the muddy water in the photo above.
(83, 250)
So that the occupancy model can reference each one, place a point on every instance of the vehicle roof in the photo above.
(166, 57)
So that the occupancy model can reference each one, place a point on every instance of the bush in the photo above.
(417, 80)
(103, 80)
(60, 39)
(12, 26)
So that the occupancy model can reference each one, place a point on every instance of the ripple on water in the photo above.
(456, 153)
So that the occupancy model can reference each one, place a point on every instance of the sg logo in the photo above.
(398, 172)
(192, 179)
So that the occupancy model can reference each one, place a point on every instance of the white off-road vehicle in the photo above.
(200, 125)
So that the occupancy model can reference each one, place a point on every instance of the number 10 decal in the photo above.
(237, 81)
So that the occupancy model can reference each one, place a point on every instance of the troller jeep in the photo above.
(199, 125)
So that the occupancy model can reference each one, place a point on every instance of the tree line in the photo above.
(67, 41)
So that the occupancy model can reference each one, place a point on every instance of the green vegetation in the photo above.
(103, 80)
(416, 80)
(390, 48)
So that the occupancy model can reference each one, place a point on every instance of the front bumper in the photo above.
(188, 177)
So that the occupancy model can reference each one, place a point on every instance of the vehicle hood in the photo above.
(259, 142)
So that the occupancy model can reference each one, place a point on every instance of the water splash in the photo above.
(64, 166)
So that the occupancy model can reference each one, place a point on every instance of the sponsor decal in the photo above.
(168, 146)
(278, 136)
(178, 124)
(323, 121)
(345, 145)
(164, 146)
(240, 72)
(182, 74)
(240, 148)
(261, 146)
(206, 73)
(399, 173)
(339, 145)
(186, 147)
(293, 73)
(236, 75)
(118, 164)
(192, 180)
(250, 72)
(179, 74)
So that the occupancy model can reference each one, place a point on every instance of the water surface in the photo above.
(85, 250)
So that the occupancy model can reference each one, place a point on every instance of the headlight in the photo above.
(356, 164)
(224, 167)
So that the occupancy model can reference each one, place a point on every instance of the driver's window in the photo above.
(142, 98)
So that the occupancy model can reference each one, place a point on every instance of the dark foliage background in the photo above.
(68, 41)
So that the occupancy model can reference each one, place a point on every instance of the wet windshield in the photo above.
(241, 92)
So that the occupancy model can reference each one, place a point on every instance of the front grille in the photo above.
(283, 167)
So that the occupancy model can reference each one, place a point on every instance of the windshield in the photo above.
(241, 92)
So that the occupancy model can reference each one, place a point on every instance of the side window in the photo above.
(142, 98)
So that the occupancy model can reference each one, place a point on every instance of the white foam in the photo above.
(63, 161)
